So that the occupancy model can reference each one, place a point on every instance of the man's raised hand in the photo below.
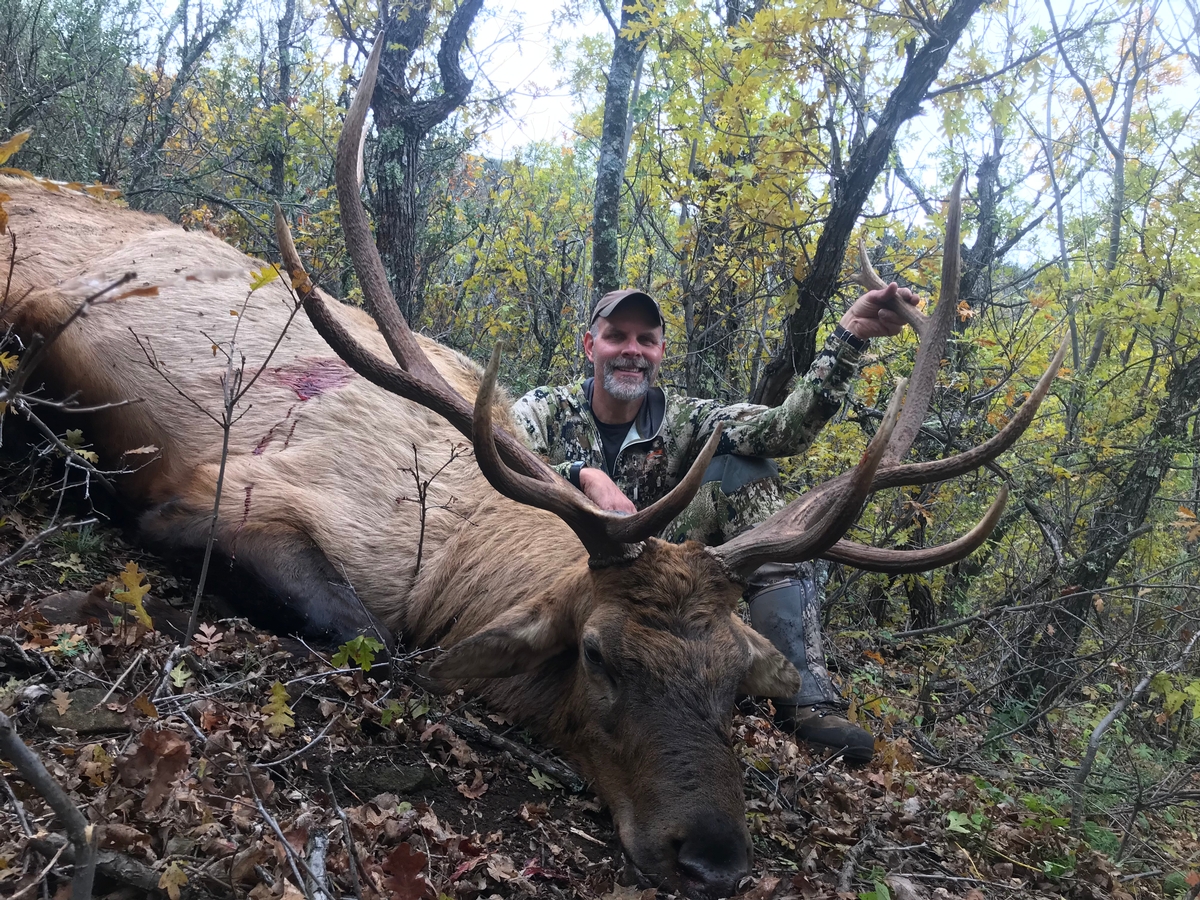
(869, 316)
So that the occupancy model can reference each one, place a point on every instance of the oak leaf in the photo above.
(277, 711)
(133, 594)
(172, 880)
(405, 868)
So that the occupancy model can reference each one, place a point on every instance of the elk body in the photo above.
(623, 651)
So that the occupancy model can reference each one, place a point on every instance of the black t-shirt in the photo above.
(612, 437)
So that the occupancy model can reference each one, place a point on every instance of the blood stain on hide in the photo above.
(312, 377)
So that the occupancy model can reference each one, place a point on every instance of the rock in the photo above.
(385, 778)
(79, 715)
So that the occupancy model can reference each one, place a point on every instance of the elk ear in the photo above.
(770, 675)
(517, 642)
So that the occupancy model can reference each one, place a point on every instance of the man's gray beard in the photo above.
(620, 390)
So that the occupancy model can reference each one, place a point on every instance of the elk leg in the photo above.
(279, 579)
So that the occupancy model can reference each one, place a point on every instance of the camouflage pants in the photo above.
(740, 492)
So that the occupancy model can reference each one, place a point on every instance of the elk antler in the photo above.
(813, 525)
(509, 466)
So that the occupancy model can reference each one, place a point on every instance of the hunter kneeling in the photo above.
(625, 443)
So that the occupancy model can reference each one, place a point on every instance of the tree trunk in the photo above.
(277, 154)
(850, 193)
(610, 168)
(1112, 529)
(403, 124)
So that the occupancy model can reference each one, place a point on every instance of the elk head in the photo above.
(630, 657)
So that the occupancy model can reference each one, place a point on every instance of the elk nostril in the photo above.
(713, 858)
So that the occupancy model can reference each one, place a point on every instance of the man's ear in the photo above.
(770, 675)
(588, 341)
(521, 639)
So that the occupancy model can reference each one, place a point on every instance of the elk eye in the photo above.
(592, 654)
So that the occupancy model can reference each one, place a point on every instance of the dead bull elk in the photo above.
(624, 651)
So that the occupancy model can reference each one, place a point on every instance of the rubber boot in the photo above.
(784, 608)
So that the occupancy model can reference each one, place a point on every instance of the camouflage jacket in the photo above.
(670, 429)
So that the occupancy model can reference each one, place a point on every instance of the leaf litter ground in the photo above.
(250, 766)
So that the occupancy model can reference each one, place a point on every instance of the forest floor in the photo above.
(248, 763)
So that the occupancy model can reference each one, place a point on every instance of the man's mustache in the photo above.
(629, 364)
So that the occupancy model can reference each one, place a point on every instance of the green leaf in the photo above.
(543, 782)
(180, 674)
(360, 651)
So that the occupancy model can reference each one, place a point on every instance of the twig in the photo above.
(967, 620)
(570, 780)
(293, 858)
(118, 867)
(116, 684)
(865, 843)
(83, 835)
(41, 536)
(315, 742)
(1085, 767)
(167, 668)
(351, 850)
(17, 807)
(73, 456)
(33, 660)
(46, 871)
(316, 864)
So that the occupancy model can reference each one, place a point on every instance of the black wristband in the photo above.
(850, 338)
(573, 477)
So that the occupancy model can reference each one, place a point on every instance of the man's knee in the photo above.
(737, 493)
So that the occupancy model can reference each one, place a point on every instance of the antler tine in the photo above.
(870, 279)
(806, 528)
(968, 460)
(606, 535)
(367, 263)
(934, 335)
(900, 562)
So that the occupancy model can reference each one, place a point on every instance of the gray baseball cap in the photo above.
(610, 301)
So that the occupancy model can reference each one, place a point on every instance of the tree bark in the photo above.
(610, 168)
(277, 155)
(1112, 529)
(404, 123)
(851, 191)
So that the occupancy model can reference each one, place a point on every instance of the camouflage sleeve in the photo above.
(534, 415)
(787, 429)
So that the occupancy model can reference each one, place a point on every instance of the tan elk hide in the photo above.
(625, 652)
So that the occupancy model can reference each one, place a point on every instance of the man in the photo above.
(625, 443)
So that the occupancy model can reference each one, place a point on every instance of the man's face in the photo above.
(627, 350)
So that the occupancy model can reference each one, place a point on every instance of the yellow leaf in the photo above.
(172, 880)
(8, 361)
(134, 591)
(1098, 603)
(143, 705)
(12, 145)
(277, 711)
(964, 311)
(262, 277)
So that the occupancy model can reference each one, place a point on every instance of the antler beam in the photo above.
(509, 466)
